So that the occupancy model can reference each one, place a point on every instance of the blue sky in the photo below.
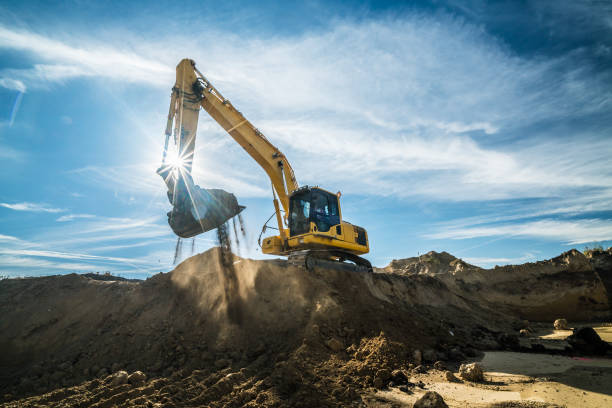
(480, 128)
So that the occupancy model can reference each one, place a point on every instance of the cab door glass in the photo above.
(324, 210)
(299, 214)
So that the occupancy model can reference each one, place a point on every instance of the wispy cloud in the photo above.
(72, 217)
(70, 248)
(61, 61)
(571, 232)
(32, 207)
(489, 262)
(8, 238)
(65, 255)
(13, 84)
(31, 263)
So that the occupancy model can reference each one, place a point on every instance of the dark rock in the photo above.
(399, 377)
(509, 341)
(137, 378)
(431, 399)
(586, 340)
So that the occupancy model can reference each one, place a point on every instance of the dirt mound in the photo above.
(601, 260)
(431, 263)
(570, 285)
(261, 333)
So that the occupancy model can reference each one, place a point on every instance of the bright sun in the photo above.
(174, 160)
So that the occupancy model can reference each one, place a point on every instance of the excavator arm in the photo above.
(191, 91)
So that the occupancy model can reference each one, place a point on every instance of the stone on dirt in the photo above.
(524, 333)
(586, 340)
(382, 378)
(137, 378)
(560, 324)
(119, 378)
(471, 372)
(399, 377)
(450, 376)
(431, 399)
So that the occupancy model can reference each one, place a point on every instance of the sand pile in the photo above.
(570, 285)
(260, 333)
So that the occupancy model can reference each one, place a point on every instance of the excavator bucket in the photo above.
(197, 210)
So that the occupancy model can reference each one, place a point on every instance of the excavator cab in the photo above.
(312, 205)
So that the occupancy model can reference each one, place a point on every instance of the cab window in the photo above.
(324, 210)
(299, 213)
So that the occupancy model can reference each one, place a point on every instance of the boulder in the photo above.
(137, 378)
(450, 376)
(586, 340)
(399, 377)
(119, 378)
(471, 372)
(431, 399)
(560, 324)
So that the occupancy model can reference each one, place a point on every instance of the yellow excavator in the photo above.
(311, 231)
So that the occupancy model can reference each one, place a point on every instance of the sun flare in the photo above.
(174, 160)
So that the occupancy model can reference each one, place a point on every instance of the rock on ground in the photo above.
(586, 340)
(119, 378)
(471, 372)
(431, 399)
(560, 324)
(137, 378)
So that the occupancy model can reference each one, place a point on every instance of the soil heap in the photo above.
(256, 333)
(572, 285)
(220, 330)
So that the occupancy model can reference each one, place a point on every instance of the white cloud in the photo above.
(65, 255)
(30, 263)
(64, 61)
(570, 231)
(32, 207)
(12, 84)
(71, 217)
(8, 238)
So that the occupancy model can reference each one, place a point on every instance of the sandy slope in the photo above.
(258, 333)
